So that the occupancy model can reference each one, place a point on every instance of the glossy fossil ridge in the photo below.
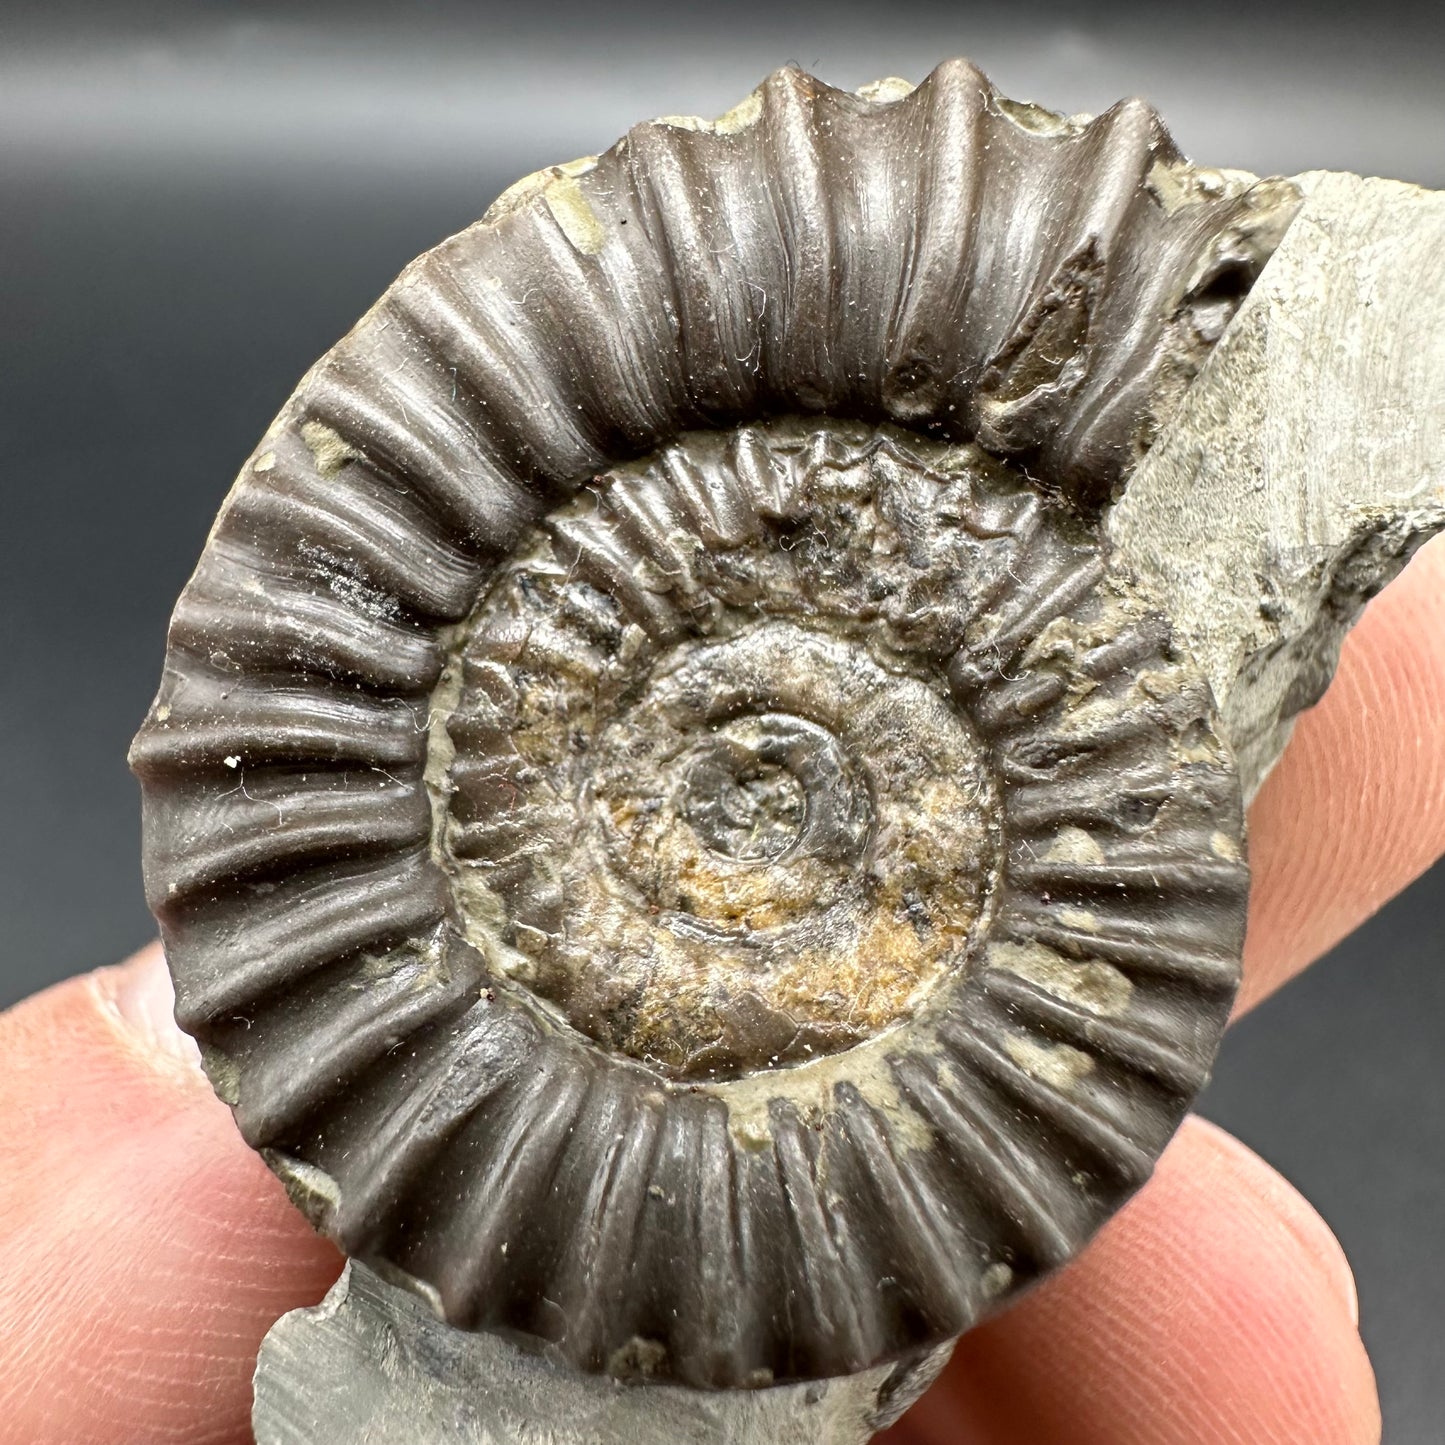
(521, 815)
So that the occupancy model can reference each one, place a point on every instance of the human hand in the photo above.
(146, 1249)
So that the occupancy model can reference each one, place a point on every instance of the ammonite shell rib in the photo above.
(672, 831)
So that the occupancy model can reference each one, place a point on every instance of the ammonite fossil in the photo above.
(675, 834)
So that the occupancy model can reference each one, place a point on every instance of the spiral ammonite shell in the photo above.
(673, 831)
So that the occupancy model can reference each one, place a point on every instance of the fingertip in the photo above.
(149, 1248)
(1215, 1308)
(138, 997)
(1276, 1199)
(1355, 810)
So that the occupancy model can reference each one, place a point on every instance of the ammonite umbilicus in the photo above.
(674, 833)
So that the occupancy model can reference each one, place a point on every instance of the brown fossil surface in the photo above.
(675, 832)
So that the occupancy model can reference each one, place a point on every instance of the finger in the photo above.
(1356, 808)
(1216, 1308)
(146, 1250)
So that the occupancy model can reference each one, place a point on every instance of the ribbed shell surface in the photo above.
(939, 285)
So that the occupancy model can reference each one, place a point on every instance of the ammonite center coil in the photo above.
(674, 833)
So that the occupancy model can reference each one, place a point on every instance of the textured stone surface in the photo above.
(371, 1365)
(1308, 461)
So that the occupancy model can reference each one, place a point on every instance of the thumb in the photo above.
(145, 1248)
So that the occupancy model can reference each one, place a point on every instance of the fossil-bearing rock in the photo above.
(676, 832)
(372, 1362)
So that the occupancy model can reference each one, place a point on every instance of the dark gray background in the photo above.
(196, 200)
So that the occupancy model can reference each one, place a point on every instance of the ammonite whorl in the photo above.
(674, 834)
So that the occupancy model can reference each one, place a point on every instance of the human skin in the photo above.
(144, 1250)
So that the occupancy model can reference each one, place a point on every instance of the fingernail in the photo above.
(140, 994)
(1314, 1235)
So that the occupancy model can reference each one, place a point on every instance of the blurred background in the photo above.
(197, 199)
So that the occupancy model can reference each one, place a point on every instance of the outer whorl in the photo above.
(673, 832)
